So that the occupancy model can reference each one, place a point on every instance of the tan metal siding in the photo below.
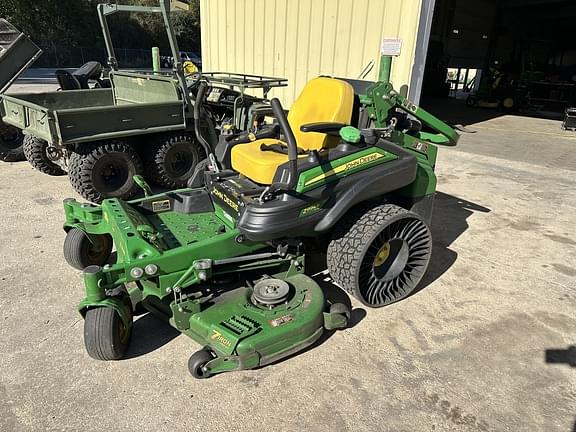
(301, 39)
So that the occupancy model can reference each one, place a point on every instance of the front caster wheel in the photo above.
(81, 251)
(106, 337)
(197, 364)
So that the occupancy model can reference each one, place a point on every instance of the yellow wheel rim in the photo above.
(382, 255)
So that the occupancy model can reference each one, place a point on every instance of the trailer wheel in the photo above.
(379, 254)
(11, 140)
(36, 152)
(106, 337)
(81, 251)
(171, 160)
(105, 170)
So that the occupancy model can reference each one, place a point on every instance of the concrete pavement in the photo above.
(465, 353)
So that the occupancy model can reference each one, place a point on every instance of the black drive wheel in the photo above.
(380, 254)
(106, 337)
(171, 160)
(36, 152)
(197, 363)
(105, 170)
(81, 251)
(11, 140)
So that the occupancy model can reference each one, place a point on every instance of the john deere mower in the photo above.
(347, 173)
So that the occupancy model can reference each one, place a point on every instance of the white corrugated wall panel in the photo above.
(301, 39)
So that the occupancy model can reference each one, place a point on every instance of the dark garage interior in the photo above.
(502, 56)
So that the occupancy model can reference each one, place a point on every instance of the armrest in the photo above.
(246, 137)
(329, 128)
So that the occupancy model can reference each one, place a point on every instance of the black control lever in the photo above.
(197, 105)
(292, 148)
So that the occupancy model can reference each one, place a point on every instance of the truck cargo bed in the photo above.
(76, 116)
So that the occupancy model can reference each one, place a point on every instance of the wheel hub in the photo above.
(109, 175)
(180, 159)
(382, 255)
(391, 259)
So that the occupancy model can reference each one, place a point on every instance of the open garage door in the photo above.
(508, 55)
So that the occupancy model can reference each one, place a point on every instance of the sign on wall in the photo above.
(391, 47)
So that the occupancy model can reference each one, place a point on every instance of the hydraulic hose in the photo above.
(292, 147)
(197, 105)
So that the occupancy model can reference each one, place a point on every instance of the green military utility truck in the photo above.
(141, 125)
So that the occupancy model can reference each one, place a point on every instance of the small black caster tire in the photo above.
(197, 362)
(106, 337)
(80, 252)
(342, 309)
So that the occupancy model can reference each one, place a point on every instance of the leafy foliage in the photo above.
(75, 23)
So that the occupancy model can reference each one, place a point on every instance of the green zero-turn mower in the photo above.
(347, 173)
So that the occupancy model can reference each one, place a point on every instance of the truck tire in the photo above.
(35, 152)
(105, 170)
(171, 160)
(11, 140)
(379, 254)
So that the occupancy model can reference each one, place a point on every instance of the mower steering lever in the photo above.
(292, 148)
(197, 105)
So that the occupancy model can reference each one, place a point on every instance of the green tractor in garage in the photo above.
(141, 125)
(349, 172)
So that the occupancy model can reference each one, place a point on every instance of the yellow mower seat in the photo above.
(322, 100)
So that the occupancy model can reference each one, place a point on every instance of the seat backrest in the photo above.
(66, 80)
(323, 99)
(88, 71)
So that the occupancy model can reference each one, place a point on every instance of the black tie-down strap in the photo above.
(279, 148)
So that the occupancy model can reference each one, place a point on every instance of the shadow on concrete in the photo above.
(455, 111)
(449, 221)
(149, 333)
(561, 356)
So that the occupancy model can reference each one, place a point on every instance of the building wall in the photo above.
(301, 39)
